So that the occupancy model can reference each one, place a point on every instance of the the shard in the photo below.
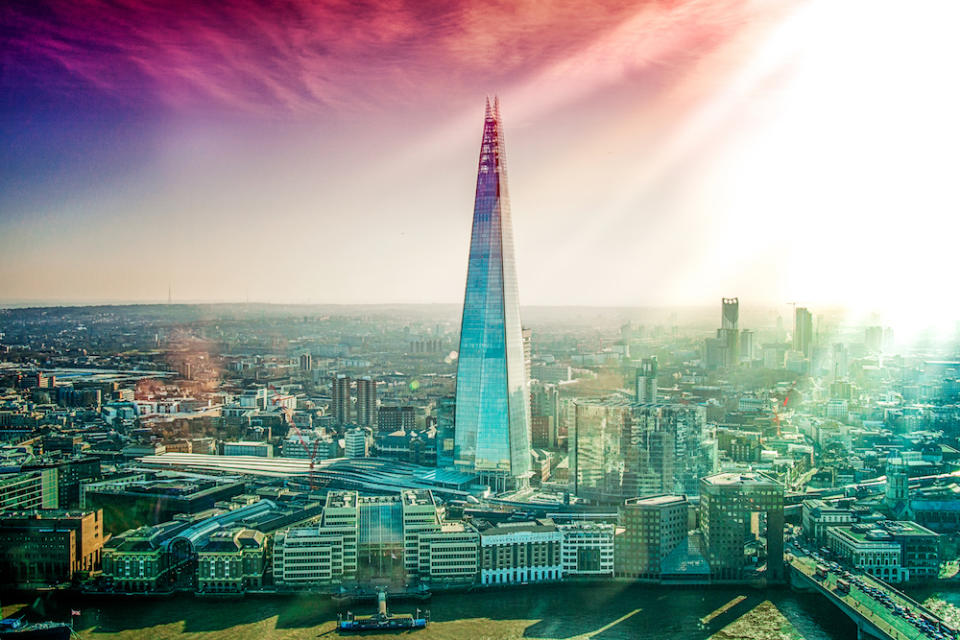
(493, 404)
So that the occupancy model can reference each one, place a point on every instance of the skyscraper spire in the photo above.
(493, 404)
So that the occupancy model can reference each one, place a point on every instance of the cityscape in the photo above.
(731, 466)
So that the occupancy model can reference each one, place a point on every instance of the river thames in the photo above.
(608, 612)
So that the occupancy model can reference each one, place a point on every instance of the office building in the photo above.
(493, 403)
(894, 551)
(342, 401)
(23, 490)
(520, 552)
(446, 436)
(586, 549)
(306, 362)
(803, 331)
(646, 383)
(355, 443)
(397, 418)
(737, 510)
(366, 402)
(623, 450)
(817, 516)
(544, 414)
(231, 561)
(254, 449)
(40, 548)
(653, 527)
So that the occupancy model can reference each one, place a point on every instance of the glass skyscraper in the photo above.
(492, 436)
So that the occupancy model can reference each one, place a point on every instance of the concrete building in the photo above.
(40, 548)
(231, 561)
(24, 490)
(652, 528)
(396, 418)
(586, 549)
(366, 402)
(342, 402)
(254, 449)
(736, 510)
(355, 443)
(818, 515)
(520, 552)
(646, 382)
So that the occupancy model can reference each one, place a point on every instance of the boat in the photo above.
(18, 629)
(382, 620)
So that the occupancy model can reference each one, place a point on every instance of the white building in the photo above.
(355, 443)
(586, 548)
(520, 552)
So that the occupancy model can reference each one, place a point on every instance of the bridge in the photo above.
(873, 618)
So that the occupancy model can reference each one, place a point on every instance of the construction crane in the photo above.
(311, 451)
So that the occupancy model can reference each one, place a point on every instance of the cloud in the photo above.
(305, 58)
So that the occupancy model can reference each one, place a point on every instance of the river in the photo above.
(608, 612)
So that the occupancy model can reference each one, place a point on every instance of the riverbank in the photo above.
(564, 612)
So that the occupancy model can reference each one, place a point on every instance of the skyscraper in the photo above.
(366, 401)
(342, 401)
(493, 405)
(646, 383)
(803, 331)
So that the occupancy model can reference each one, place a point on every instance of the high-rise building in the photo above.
(803, 331)
(493, 404)
(730, 318)
(306, 362)
(623, 450)
(341, 400)
(646, 390)
(366, 402)
(653, 527)
(736, 509)
(527, 350)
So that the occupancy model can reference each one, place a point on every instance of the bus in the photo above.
(821, 571)
(843, 586)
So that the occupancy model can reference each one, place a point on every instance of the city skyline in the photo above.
(704, 153)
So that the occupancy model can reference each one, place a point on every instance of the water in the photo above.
(607, 612)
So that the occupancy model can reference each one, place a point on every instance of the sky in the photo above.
(660, 153)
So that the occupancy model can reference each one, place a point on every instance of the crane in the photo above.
(312, 452)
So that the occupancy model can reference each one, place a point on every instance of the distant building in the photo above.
(396, 418)
(646, 383)
(342, 404)
(254, 449)
(306, 362)
(355, 443)
(803, 331)
(38, 489)
(366, 402)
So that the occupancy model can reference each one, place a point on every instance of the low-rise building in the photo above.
(520, 552)
(39, 548)
(24, 490)
(232, 561)
(818, 515)
(586, 549)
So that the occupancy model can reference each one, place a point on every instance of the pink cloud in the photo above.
(302, 58)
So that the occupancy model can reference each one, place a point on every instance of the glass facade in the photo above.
(493, 404)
